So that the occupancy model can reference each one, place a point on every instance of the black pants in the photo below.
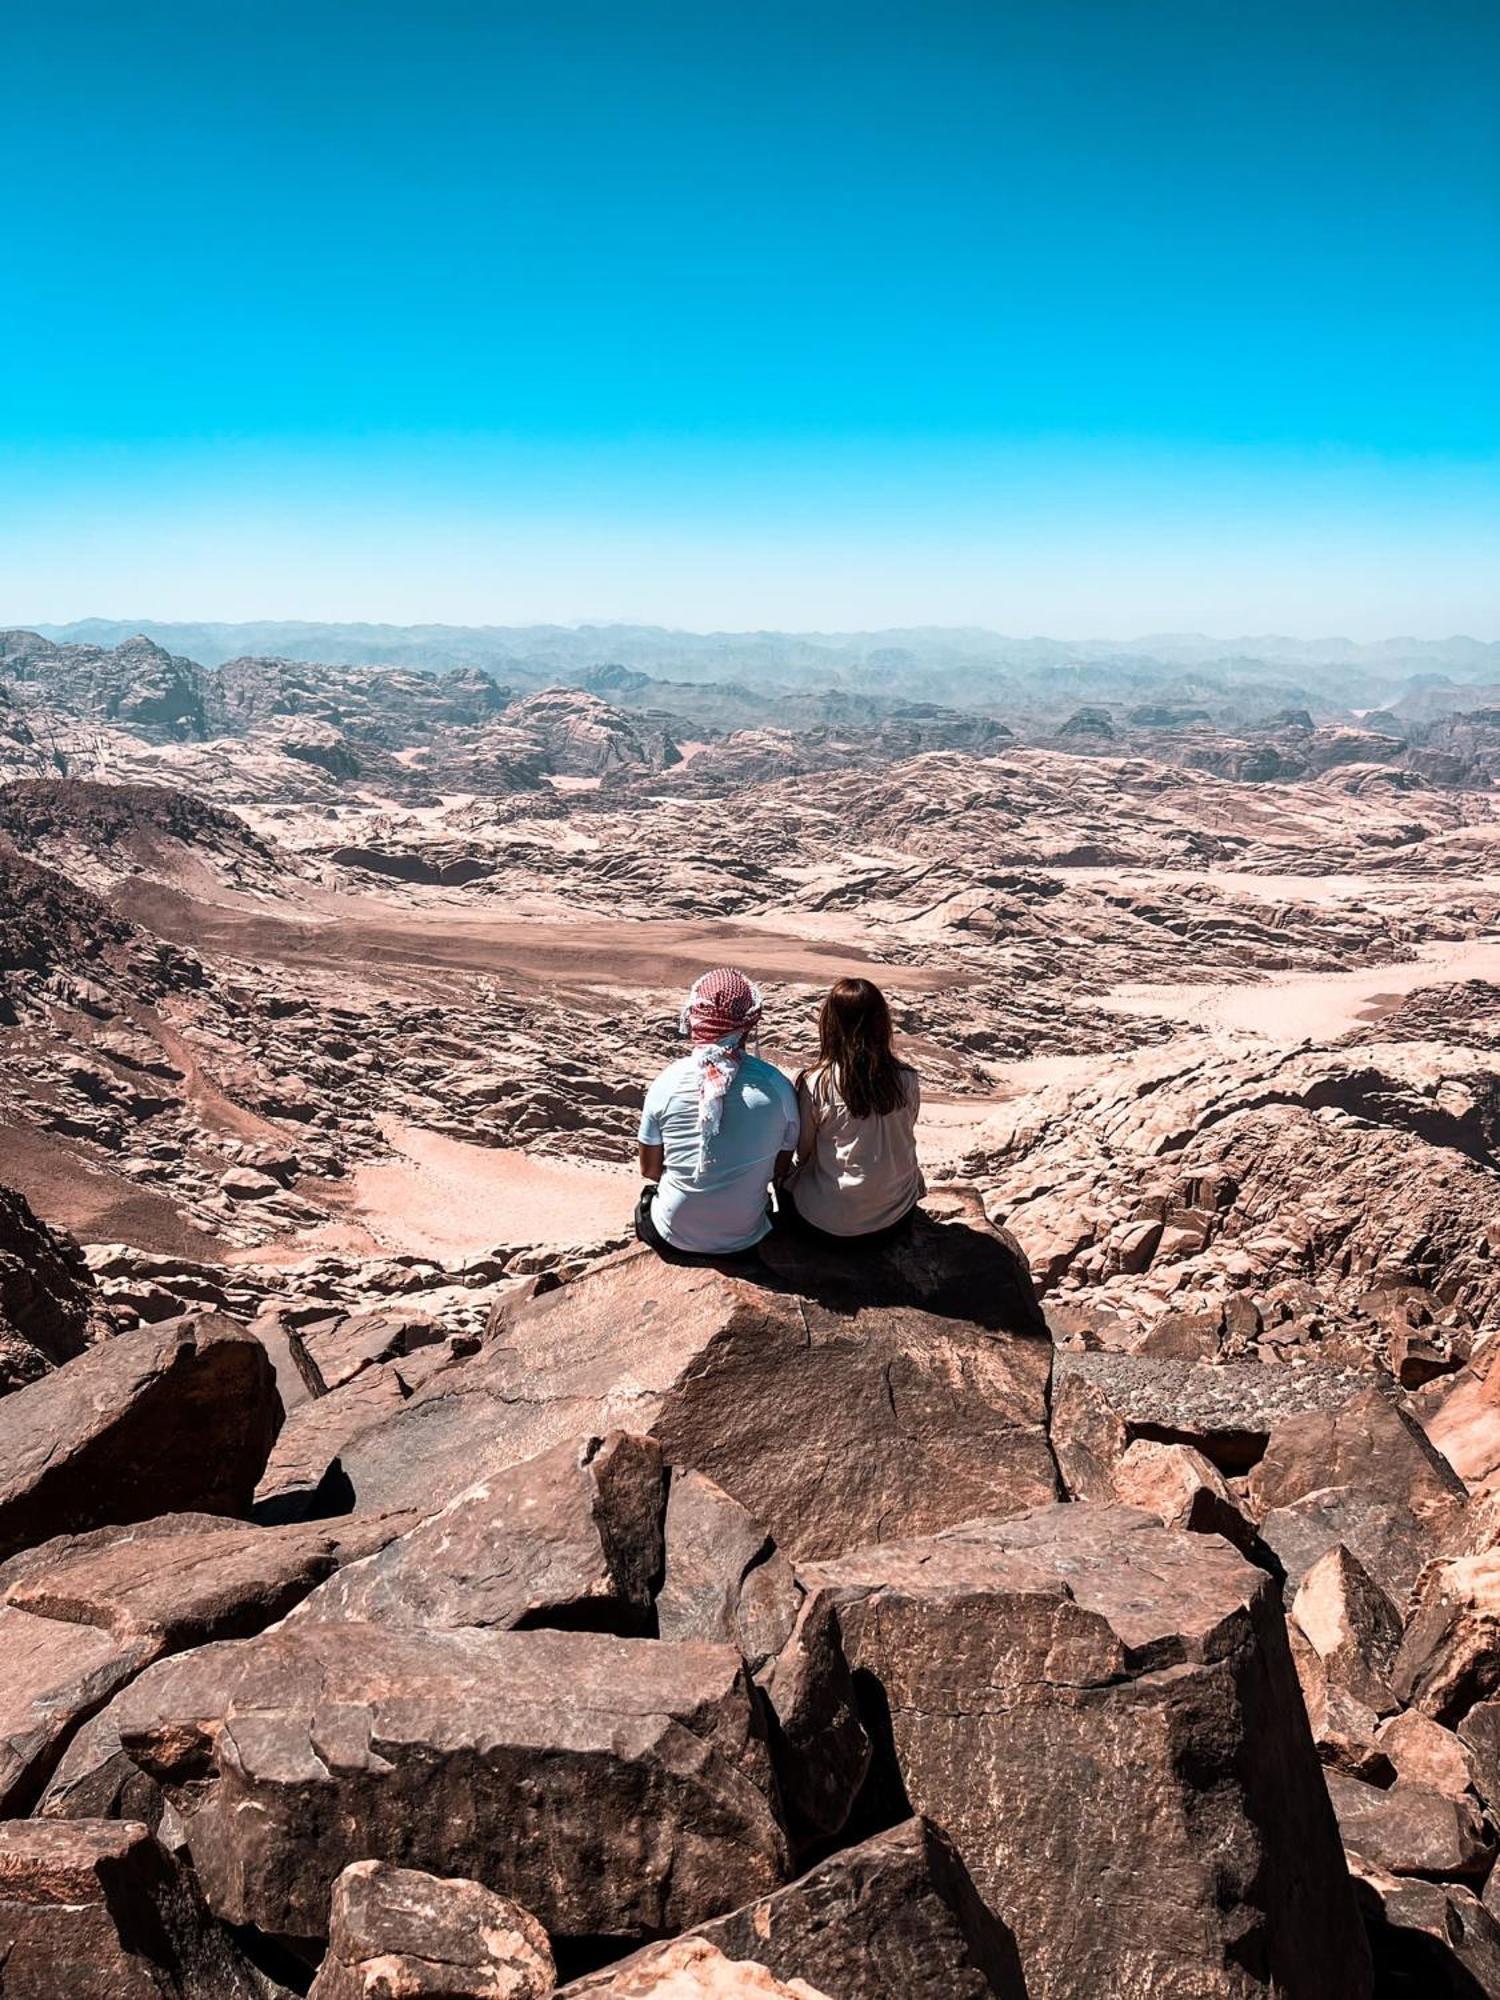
(797, 1224)
(648, 1233)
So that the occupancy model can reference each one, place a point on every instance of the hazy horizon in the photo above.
(1101, 316)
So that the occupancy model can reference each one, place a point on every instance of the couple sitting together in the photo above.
(721, 1127)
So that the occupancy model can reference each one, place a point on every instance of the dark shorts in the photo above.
(648, 1233)
(876, 1239)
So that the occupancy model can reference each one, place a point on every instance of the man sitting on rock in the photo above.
(717, 1126)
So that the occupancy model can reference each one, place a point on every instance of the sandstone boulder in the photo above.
(1182, 1489)
(1351, 1625)
(894, 1918)
(613, 1787)
(572, 1537)
(1228, 1412)
(180, 1415)
(1411, 1829)
(82, 1615)
(397, 1932)
(1151, 1817)
(1450, 1654)
(826, 1422)
(1364, 1474)
(93, 1910)
(46, 1295)
(1429, 1940)
(693, 1969)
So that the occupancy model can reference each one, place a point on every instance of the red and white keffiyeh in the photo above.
(722, 1009)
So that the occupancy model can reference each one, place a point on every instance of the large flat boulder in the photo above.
(1102, 1713)
(95, 1910)
(830, 1423)
(613, 1787)
(173, 1417)
(894, 1918)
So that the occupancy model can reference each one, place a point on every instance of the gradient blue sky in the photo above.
(1071, 316)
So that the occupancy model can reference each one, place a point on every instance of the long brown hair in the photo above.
(854, 1046)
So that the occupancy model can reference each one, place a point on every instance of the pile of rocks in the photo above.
(806, 1628)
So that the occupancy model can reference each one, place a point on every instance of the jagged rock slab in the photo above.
(1228, 1411)
(94, 1910)
(612, 1787)
(1411, 1829)
(82, 1615)
(396, 1931)
(1365, 1476)
(573, 1537)
(692, 1969)
(173, 1417)
(1103, 1715)
(46, 1295)
(1429, 1940)
(895, 1918)
(828, 1424)
(52, 1677)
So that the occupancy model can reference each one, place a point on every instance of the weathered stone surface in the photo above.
(353, 1342)
(176, 1416)
(303, 1476)
(81, 1615)
(1183, 1489)
(46, 1295)
(52, 1677)
(1450, 1655)
(96, 1911)
(1088, 1434)
(828, 1423)
(572, 1537)
(1479, 1732)
(398, 1934)
(693, 1969)
(894, 1918)
(724, 1581)
(818, 1739)
(1085, 1659)
(1351, 1625)
(1400, 1495)
(1411, 1829)
(183, 1579)
(612, 1787)
(1429, 1940)
(1228, 1412)
(1384, 1534)
(1422, 1752)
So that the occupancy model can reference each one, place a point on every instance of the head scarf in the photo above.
(722, 1009)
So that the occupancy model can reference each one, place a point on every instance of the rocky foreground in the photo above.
(809, 1627)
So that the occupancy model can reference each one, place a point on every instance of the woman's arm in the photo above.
(807, 1138)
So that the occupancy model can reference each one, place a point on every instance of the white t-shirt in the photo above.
(721, 1207)
(862, 1173)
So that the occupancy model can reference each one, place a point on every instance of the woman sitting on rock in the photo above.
(716, 1128)
(857, 1173)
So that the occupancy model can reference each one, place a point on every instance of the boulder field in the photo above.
(813, 1628)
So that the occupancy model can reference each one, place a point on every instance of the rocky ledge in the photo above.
(807, 1628)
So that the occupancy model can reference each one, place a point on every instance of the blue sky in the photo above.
(1080, 316)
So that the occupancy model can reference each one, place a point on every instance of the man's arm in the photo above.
(652, 1159)
(782, 1167)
